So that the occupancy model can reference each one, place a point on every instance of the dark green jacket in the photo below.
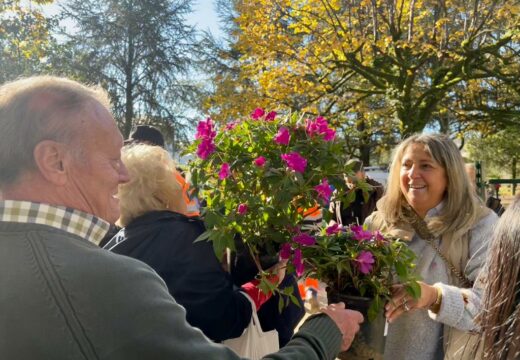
(62, 297)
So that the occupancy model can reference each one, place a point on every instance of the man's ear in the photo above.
(49, 157)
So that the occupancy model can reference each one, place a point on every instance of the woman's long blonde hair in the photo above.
(152, 184)
(461, 208)
(500, 316)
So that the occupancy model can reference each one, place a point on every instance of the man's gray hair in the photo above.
(36, 109)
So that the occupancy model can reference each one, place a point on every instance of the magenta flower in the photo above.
(295, 161)
(298, 262)
(205, 130)
(224, 171)
(365, 261)
(231, 125)
(360, 234)
(283, 136)
(257, 113)
(324, 190)
(206, 133)
(259, 161)
(379, 237)
(333, 229)
(285, 251)
(304, 239)
(320, 127)
(242, 209)
(205, 148)
(271, 115)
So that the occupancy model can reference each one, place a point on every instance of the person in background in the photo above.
(359, 209)
(62, 296)
(157, 232)
(430, 203)
(150, 135)
(499, 318)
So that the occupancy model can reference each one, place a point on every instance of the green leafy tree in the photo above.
(25, 38)
(141, 51)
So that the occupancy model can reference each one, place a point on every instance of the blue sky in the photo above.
(204, 16)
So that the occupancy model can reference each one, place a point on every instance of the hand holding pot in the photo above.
(402, 301)
(346, 320)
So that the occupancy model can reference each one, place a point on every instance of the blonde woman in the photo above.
(156, 231)
(500, 316)
(429, 193)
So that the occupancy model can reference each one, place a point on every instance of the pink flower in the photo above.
(298, 262)
(333, 229)
(283, 136)
(324, 190)
(271, 115)
(360, 234)
(257, 113)
(206, 133)
(285, 251)
(295, 161)
(231, 125)
(242, 209)
(259, 161)
(365, 261)
(320, 127)
(224, 171)
(304, 239)
(379, 237)
(205, 148)
(205, 130)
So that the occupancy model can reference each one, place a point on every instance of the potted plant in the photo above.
(259, 176)
(359, 268)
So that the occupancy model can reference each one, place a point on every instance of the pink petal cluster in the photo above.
(231, 125)
(320, 127)
(285, 251)
(283, 136)
(257, 113)
(379, 237)
(298, 262)
(271, 115)
(304, 239)
(206, 132)
(259, 161)
(295, 161)
(324, 190)
(333, 229)
(224, 171)
(242, 209)
(365, 261)
(360, 234)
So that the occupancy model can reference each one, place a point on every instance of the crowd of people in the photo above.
(67, 179)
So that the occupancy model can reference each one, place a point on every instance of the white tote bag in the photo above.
(254, 343)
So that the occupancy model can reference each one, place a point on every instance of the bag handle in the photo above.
(421, 228)
(254, 315)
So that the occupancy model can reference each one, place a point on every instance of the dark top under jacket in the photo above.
(192, 272)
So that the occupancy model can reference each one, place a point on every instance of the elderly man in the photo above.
(62, 297)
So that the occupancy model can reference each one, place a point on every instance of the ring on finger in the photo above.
(406, 307)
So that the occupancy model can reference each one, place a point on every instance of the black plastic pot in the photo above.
(369, 343)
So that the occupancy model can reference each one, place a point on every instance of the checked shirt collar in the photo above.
(67, 219)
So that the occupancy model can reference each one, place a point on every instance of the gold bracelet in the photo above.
(436, 306)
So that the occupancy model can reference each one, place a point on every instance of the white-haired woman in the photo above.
(430, 203)
(156, 231)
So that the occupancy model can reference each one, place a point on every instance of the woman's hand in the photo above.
(402, 302)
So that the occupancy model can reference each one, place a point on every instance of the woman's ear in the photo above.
(49, 157)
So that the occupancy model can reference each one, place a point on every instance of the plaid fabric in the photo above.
(70, 220)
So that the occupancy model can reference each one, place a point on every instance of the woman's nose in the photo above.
(413, 172)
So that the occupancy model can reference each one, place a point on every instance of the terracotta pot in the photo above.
(369, 343)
